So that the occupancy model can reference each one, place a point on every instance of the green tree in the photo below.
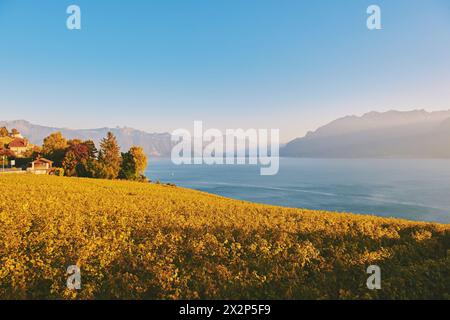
(97, 170)
(70, 164)
(91, 149)
(109, 158)
(127, 170)
(134, 163)
(54, 148)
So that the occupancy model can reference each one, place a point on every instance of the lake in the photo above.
(408, 189)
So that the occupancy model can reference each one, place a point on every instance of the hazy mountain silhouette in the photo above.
(392, 134)
(154, 144)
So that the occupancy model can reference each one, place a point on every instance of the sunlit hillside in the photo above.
(140, 240)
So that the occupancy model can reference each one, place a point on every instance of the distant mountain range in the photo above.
(392, 134)
(154, 144)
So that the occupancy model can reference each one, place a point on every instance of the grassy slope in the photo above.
(135, 240)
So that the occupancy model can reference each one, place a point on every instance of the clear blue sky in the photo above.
(158, 65)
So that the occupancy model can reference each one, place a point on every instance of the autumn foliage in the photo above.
(77, 158)
(145, 241)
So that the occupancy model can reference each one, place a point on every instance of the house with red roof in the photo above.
(19, 146)
(41, 166)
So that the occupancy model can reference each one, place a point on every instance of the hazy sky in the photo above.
(158, 65)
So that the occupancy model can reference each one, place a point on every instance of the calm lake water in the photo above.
(409, 189)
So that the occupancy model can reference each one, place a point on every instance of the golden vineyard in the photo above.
(145, 241)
